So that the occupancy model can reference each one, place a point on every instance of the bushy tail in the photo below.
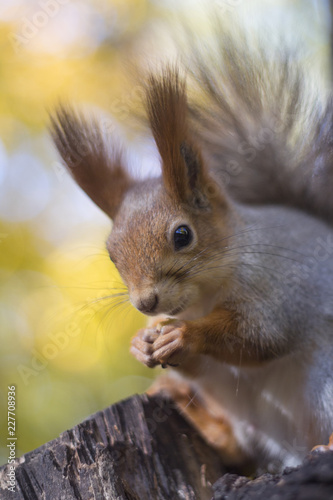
(267, 134)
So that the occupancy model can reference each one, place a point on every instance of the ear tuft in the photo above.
(97, 169)
(193, 164)
(183, 170)
(166, 106)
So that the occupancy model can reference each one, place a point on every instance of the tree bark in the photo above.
(313, 480)
(138, 449)
(143, 449)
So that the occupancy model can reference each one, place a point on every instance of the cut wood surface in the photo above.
(143, 449)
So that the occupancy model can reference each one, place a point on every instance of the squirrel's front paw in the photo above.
(162, 345)
(170, 347)
(142, 346)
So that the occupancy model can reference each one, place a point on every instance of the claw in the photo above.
(142, 346)
(163, 345)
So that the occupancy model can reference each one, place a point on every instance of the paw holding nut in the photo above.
(161, 345)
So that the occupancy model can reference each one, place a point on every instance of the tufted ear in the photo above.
(96, 169)
(184, 173)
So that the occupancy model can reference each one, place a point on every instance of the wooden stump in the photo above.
(143, 449)
(140, 448)
(313, 480)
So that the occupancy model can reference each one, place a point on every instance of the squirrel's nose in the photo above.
(148, 304)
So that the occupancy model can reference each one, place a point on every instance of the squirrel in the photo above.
(230, 251)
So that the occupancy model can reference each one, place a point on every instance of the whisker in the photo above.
(196, 256)
(230, 252)
(185, 267)
(105, 297)
(110, 309)
(213, 268)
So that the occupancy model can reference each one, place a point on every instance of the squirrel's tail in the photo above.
(265, 131)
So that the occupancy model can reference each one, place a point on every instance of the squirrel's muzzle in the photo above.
(148, 305)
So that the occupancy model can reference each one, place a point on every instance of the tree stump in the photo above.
(140, 448)
(143, 449)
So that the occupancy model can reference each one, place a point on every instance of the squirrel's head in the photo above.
(166, 250)
(168, 232)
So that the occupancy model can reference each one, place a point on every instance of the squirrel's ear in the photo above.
(98, 171)
(183, 170)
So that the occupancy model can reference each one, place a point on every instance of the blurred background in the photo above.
(64, 340)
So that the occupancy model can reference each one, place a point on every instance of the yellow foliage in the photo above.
(65, 321)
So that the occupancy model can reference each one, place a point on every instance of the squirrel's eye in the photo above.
(182, 237)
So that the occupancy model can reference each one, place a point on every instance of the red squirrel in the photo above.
(230, 250)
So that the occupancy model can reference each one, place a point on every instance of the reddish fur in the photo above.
(167, 110)
(233, 332)
(216, 430)
(98, 170)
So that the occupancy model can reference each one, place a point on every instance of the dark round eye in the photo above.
(182, 237)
